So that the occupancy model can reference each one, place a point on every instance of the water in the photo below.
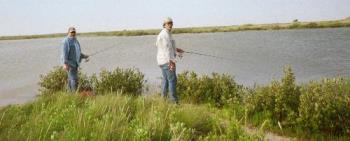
(255, 57)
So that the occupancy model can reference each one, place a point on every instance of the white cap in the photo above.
(168, 20)
(70, 29)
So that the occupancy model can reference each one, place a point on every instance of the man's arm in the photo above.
(65, 51)
(84, 56)
(179, 50)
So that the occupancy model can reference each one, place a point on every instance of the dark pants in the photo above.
(169, 83)
(72, 79)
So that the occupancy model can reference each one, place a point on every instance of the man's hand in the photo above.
(66, 67)
(86, 57)
(179, 50)
(172, 66)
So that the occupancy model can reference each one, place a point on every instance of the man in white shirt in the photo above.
(166, 59)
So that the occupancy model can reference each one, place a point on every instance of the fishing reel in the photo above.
(180, 55)
(86, 60)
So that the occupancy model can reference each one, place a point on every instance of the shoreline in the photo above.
(208, 29)
(19, 95)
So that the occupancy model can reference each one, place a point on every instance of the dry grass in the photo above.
(233, 28)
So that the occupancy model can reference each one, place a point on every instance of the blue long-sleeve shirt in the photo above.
(71, 52)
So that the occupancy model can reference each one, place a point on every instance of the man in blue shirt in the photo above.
(71, 57)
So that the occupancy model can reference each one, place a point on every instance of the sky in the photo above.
(27, 17)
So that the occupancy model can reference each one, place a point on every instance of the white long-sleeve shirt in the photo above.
(166, 47)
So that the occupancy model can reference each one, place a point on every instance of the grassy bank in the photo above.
(275, 26)
(62, 116)
(212, 107)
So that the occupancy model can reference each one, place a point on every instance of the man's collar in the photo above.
(167, 30)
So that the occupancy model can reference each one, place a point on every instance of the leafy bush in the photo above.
(325, 106)
(287, 97)
(202, 124)
(125, 80)
(128, 81)
(218, 90)
(260, 100)
(57, 80)
(281, 99)
(316, 107)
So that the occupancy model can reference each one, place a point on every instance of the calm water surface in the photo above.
(252, 57)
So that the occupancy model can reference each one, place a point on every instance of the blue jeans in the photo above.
(72, 78)
(169, 83)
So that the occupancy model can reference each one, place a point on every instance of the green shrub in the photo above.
(287, 97)
(316, 107)
(218, 90)
(281, 99)
(128, 81)
(56, 80)
(260, 100)
(325, 106)
(201, 124)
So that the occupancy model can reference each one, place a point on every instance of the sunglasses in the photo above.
(72, 32)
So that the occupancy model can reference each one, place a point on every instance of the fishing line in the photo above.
(100, 51)
(208, 55)
(188, 52)
(97, 52)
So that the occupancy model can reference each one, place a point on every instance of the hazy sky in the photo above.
(21, 17)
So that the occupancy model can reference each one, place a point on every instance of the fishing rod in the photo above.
(189, 52)
(207, 55)
(97, 52)
(100, 51)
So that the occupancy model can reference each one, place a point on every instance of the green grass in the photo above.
(63, 116)
(314, 110)
(210, 29)
(317, 110)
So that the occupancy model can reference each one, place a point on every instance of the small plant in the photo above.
(324, 106)
(57, 79)
(181, 133)
(218, 90)
(281, 99)
(127, 81)
(287, 97)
